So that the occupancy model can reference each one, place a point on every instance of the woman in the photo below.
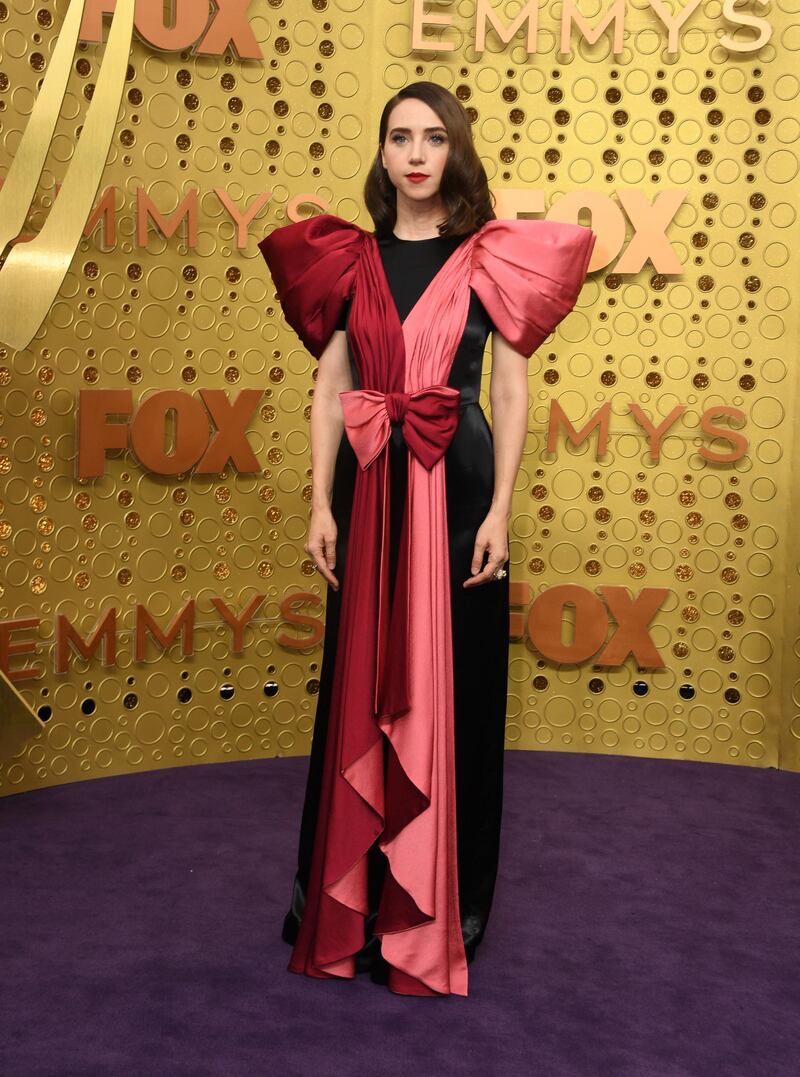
(412, 495)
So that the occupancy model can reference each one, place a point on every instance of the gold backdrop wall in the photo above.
(145, 309)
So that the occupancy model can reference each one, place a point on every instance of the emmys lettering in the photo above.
(655, 434)
(191, 26)
(104, 637)
(526, 17)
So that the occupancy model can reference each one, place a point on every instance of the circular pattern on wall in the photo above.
(195, 309)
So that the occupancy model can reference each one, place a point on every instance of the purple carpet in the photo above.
(646, 923)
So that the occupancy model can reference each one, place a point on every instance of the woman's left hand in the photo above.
(491, 539)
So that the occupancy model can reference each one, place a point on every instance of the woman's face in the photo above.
(416, 142)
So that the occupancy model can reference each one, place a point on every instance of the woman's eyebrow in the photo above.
(407, 130)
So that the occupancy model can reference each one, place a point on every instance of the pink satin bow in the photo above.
(429, 417)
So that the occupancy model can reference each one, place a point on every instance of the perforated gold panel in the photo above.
(150, 304)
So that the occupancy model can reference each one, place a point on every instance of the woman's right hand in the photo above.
(321, 545)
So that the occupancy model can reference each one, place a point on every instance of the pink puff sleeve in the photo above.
(528, 275)
(313, 263)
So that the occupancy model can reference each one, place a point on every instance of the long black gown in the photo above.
(479, 619)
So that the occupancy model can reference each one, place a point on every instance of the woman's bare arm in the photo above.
(327, 426)
(508, 396)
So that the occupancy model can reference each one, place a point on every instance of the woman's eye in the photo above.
(440, 137)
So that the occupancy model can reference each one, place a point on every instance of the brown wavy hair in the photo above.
(464, 187)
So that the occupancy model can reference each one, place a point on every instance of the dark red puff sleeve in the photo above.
(528, 275)
(313, 263)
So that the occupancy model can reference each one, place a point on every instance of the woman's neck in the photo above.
(418, 221)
